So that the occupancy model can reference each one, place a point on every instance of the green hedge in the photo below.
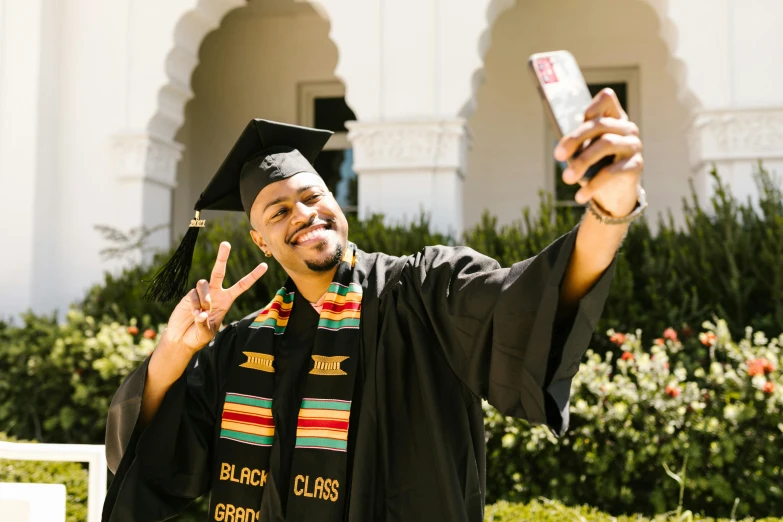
(725, 261)
(72, 474)
(650, 408)
(56, 379)
(544, 510)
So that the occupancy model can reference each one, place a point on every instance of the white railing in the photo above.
(93, 454)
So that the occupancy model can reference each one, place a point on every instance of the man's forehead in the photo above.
(287, 188)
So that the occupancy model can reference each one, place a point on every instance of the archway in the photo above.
(509, 162)
(272, 60)
(232, 60)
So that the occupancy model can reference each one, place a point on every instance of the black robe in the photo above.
(440, 330)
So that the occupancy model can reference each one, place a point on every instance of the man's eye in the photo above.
(279, 213)
(314, 197)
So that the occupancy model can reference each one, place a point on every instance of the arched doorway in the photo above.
(617, 43)
(272, 60)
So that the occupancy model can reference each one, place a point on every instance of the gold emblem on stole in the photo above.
(327, 365)
(259, 361)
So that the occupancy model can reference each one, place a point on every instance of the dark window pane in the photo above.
(332, 113)
(619, 88)
(336, 168)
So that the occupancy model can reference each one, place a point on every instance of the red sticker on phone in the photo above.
(545, 70)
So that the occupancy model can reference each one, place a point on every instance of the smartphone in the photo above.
(565, 95)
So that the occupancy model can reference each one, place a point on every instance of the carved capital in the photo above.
(146, 157)
(401, 146)
(736, 134)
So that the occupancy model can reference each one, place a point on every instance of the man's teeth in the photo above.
(311, 235)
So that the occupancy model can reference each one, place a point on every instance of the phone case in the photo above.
(565, 94)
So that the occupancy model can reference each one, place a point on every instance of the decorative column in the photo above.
(146, 168)
(735, 140)
(409, 167)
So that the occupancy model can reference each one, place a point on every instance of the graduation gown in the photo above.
(440, 330)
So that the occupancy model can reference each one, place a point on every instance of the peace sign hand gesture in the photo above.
(198, 316)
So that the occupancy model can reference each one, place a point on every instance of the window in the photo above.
(322, 105)
(624, 82)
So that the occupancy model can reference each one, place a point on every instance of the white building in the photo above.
(118, 112)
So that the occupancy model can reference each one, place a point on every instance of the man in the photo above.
(356, 393)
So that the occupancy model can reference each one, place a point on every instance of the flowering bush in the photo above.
(544, 510)
(57, 380)
(634, 413)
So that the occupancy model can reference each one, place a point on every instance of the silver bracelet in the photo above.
(604, 217)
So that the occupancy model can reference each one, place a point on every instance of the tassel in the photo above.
(171, 281)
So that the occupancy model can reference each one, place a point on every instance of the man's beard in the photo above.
(328, 263)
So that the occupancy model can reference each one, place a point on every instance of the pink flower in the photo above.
(133, 330)
(670, 334)
(672, 391)
(149, 333)
(618, 338)
(769, 387)
(627, 356)
(708, 339)
(760, 366)
(659, 342)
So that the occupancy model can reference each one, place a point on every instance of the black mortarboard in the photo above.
(265, 152)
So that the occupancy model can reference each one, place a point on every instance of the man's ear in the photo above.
(255, 235)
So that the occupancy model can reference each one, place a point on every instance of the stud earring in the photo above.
(267, 254)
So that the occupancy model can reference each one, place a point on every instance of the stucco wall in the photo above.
(508, 163)
(248, 68)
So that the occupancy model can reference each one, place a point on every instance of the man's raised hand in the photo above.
(198, 316)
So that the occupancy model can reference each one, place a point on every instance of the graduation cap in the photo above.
(265, 152)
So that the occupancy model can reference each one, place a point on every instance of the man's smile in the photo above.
(311, 234)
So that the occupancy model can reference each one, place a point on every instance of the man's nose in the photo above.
(304, 213)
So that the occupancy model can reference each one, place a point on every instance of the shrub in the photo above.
(72, 474)
(725, 261)
(57, 380)
(631, 415)
(544, 510)
(120, 297)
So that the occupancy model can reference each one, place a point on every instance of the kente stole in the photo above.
(248, 446)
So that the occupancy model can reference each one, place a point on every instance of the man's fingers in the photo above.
(246, 282)
(605, 103)
(219, 270)
(194, 302)
(204, 297)
(627, 169)
(590, 130)
(621, 147)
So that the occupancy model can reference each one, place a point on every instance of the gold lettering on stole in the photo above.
(220, 511)
(327, 489)
(225, 468)
(297, 491)
(230, 512)
(335, 485)
(263, 477)
(307, 493)
(233, 478)
(244, 477)
(319, 487)
(254, 481)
